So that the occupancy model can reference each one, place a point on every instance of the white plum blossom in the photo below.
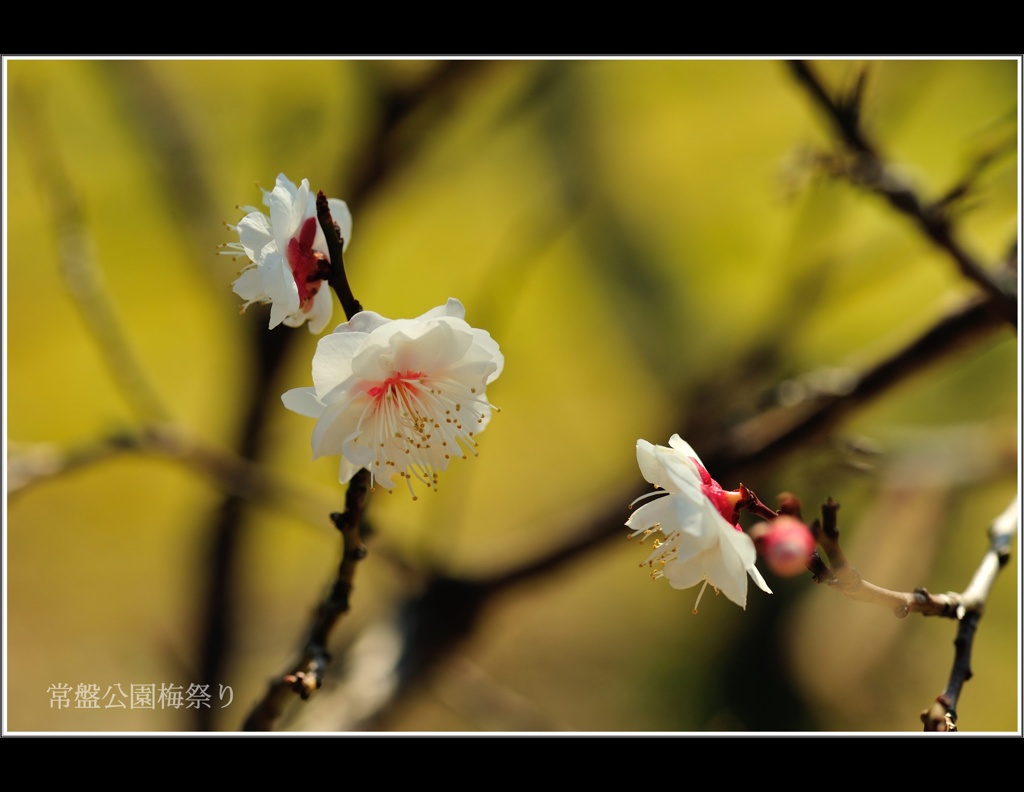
(288, 255)
(400, 396)
(701, 541)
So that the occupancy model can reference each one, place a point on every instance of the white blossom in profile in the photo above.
(701, 540)
(289, 262)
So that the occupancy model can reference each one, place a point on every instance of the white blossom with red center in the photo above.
(400, 396)
(701, 540)
(288, 255)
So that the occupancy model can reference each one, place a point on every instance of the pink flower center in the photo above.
(309, 267)
(724, 500)
(394, 384)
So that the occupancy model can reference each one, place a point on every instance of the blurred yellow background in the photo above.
(631, 233)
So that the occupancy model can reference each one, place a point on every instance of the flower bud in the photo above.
(785, 544)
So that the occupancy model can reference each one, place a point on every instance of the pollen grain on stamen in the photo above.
(401, 407)
(656, 528)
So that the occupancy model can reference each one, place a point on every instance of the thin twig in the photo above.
(307, 674)
(842, 577)
(941, 715)
(337, 277)
(966, 607)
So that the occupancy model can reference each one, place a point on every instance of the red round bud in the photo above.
(785, 544)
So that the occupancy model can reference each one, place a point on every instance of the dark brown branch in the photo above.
(401, 106)
(336, 279)
(753, 504)
(307, 674)
(779, 430)
(941, 716)
(869, 170)
(847, 581)
(844, 112)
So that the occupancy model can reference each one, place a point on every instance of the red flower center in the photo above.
(394, 384)
(309, 267)
(724, 500)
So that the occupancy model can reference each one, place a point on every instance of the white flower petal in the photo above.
(342, 218)
(249, 286)
(346, 470)
(363, 322)
(684, 448)
(336, 425)
(320, 314)
(652, 513)
(650, 465)
(332, 363)
(725, 572)
(684, 575)
(703, 531)
(255, 234)
(282, 204)
(283, 293)
(488, 348)
(304, 402)
(437, 349)
(756, 576)
(451, 308)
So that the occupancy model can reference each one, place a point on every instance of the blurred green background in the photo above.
(648, 245)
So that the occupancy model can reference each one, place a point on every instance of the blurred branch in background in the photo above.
(867, 168)
(33, 464)
(82, 274)
(153, 113)
(783, 428)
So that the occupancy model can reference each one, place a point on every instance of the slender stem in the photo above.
(307, 675)
(336, 278)
(941, 715)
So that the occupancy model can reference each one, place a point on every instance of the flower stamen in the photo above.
(400, 412)
(699, 595)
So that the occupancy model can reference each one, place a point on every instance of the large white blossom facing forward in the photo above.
(400, 396)
(288, 255)
(702, 542)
